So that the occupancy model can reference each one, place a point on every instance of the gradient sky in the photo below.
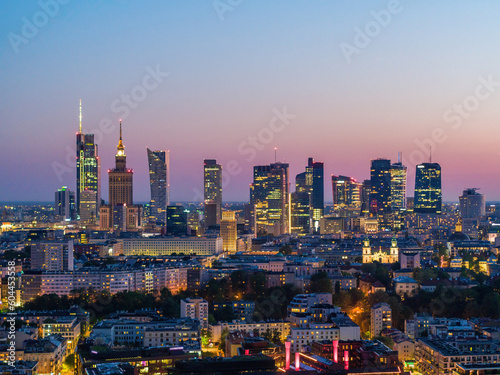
(226, 78)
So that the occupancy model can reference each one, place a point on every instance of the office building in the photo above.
(269, 194)
(347, 193)
(195, 308)
(88, 207)
(380, 196)
(398, 186)
(312, 181)
(177, 222)
(366, 190)
(65, 204)
(212, 185)
(428, 196)
(168, 246)
(380, 318)
(229, 231)
(300, 212)
(88, 165)
(472, 204)
(159, 166)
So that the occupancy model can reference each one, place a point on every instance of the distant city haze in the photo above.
(208, 83)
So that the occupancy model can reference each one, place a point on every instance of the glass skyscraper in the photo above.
(88, 165)
(269, 194)
(159, 184)
(428, 196)
(212, 187)
(398, 186)
(312, 181)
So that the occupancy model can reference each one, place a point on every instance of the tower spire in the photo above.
(80, 116)
(121, 147)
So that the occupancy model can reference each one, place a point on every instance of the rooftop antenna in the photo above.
(400, 154)
(275, 154)
(430, 154)
(80, 116)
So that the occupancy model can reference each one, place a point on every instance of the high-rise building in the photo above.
(472, 204)
(269, 194)
(365, 197)
(381, 318)
(159, 183)
(428, 196)
(300, 212)
(398, 186)
(121, 214)
(52, 256)
(312, 181)
(177, 222)
(229, 231)
(88, 165)
(212, 183)
(88, 207)
(195, 308)
(346, 193)
(380, 196)
(65, 204)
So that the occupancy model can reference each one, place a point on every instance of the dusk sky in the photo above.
(428, 69)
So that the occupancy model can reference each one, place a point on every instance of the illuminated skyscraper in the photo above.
(212, 184)
(120, 214)
(269, 194)
(365, 197)
(428, 196)
(380, 197)
(228, 231)
(398, 186)
(346, 193)
(88, 165)
(312, 181)
(300, 211)
(159, 183)
(88, 208)
(65, 204)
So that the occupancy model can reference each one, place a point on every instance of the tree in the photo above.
(321, 283)
(286, 250)
(337, 287)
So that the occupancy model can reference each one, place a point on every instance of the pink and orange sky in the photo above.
(229, 71)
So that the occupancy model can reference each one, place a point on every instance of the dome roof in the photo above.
(458, 236)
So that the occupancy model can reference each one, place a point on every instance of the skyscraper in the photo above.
(159, 183)
(346, 193)
(212, 185)
(472, 204)
(398, 186)
(312, 181)
(88, 165)
(65, 204)
(177, 220)
(428, 197)
(121, 214)
(228, 231)
(380, 196)
(300, 212)
(88, 207)
(269, 194)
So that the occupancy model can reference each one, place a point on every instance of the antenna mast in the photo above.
(80, 116)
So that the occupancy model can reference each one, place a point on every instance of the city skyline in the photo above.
(346, 112)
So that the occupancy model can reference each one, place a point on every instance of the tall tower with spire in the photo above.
(120, 178)
(120, 214)
(88, 171)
